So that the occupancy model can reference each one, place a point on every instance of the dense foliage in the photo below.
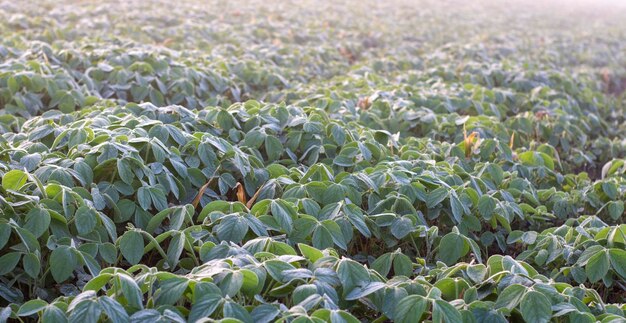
(255, 161)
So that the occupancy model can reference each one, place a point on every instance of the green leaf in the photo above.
(536, 307)
(321, 238)
(131, 246)
(265, 313)
(276, 268)
(484, 315)
(31, 264)
(597, 266)
(309, 252)
(402, 265)
(54, 314)
(87, 311)
(14, 180)
(436, 196)
(486, 206)
(475, 249)
(610, 189)
(108, 224)
(536, 159)
(352, 275)
(114, 310)
(410, 309)
(339, 316)
(37, 221)
(364, 290)
(159, 199)
(477, 273)
(401, 227)
(158, 219)
(357, 218)
(618, 261)
(383, 264)
(511, 296)
(63, 260)
(97, 282)
(175, 249)
(77, 137)
(5, 314)
(452, 247)
(231, 284)
(333, 194)
(335, 233)
(108, 252)
(8, 262)
(13, 84)
(338, 134)
(232, 228)
(148, 316)
(204, 306)
(67, 104)
(32, 307)
(5, 234)
(303, 292)
(616, 209)
(273, 147)
(234, 310)
(451, 288)
(90, 262)
(457, 208)
(85, 219)
(588, 253)
(284, 214)
(444, 312)
(250, 282)
(28, 239)
(143, 197)
(131, 291)
(170, 290)
(124, 171)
